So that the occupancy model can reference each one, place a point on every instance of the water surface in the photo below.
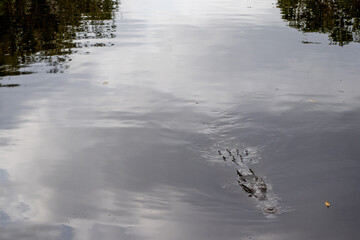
(114, 132)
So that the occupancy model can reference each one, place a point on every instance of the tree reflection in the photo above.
(45, 30)
(338, 18)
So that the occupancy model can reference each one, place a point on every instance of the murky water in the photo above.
(112, 116)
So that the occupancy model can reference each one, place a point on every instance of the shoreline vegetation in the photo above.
(44, 31)
(339, 19)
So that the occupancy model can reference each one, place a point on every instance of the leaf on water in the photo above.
(311, 100)
(327, 204)
(105, 82)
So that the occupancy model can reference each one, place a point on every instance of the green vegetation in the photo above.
(340, 19)
(45, 27)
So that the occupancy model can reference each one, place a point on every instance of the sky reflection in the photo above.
(136, 157)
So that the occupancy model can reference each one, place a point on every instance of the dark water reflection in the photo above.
(44, 31)
(124, 144)
(339, 19)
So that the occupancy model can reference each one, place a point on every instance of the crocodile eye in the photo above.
(270, 209)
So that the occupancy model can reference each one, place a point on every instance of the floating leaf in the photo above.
(327, 204)
(105, 82)
(311, 100)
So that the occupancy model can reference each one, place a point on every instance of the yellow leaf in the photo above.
(105, 82)
(311, 100)
(327, 204)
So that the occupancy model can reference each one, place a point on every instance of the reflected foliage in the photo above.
(340, 19)
(44, 30)
(9, 85)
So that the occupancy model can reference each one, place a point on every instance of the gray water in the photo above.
(118, 136)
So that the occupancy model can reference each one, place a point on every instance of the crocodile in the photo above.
(253, 185)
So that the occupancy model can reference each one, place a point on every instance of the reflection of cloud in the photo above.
(103, 231)
(13, 208)
(66, 232)
(125, 159)
(35, 231)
